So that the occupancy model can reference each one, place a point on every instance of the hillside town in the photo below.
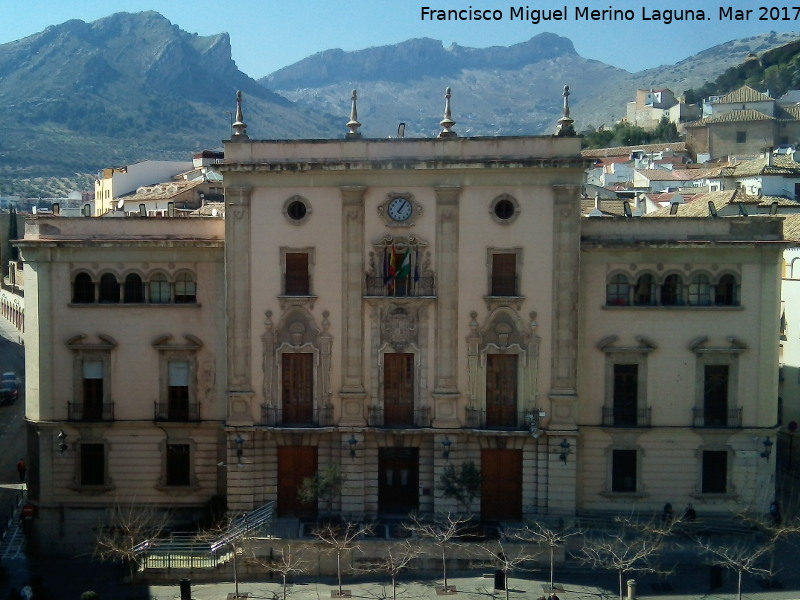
(298, 330)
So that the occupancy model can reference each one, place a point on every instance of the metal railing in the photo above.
(725, 417)
(498, 418)
(398, 416)
(296, 416)
(193, 551)
(176, 411)
(407, 287)
(83, 411)
(637, 417)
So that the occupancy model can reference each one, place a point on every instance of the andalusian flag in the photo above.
(404, 271)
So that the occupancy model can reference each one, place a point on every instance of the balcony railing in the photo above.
(401, 288)
(399, 416)
(303, 415)
(725, 417)
(499, 418)
(82, 411)
(177, 411)
(638, 417)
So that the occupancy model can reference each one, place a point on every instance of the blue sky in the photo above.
(269, 34)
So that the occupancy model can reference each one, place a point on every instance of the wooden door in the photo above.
(398, 390)
(295, 463)
(501, 490)
(297, 378)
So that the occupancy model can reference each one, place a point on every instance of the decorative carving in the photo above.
(399, 327)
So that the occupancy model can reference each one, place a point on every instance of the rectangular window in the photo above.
(715, 472)
(178, 464)
(297, 378)
(398, 389)
(715, 396)
(626, 389)
(93, 464)
(623, 471)
(93, 390)
(504, 275)
(297, 281)
(501, 390)
(178, 391)
(741, 137)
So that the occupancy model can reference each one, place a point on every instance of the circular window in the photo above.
(504, 209)
(296, 210)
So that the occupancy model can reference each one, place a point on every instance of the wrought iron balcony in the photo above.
(177, 411)
(398, 416)
(298, 415)
(717, 417)
(636, 417)
(402, 288)
(86, 411)
(500, 418)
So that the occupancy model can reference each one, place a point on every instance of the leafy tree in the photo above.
(666, 131)
(324, 486)
(461, 484)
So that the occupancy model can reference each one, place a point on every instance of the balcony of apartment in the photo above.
(500, 418)
(405, 287)
(717, 417)
(296, 415)
(626, 417)
(90, 411)
(177, 411)
(398, 416)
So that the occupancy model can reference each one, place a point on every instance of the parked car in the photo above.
(9, 390)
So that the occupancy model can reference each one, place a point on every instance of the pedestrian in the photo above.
(553, 596)
(690, 514)
(775, 512)
(22, 469)
(666, 517)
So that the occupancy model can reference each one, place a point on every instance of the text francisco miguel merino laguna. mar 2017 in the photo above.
(587, 13)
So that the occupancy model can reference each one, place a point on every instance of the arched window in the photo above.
(618, 291)
(671, 291)
(134, 289)
(645, 292)
(725, 292)
(700, 291)
(185, 289)
(160, 292)
(83, 289)
(109, 288)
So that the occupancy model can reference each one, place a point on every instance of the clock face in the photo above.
(400, 209)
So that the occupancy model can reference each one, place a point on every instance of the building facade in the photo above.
(393, 307)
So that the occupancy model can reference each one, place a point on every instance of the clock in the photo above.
(400, 209)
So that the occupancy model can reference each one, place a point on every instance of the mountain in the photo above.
(133, 86)
(496, 91)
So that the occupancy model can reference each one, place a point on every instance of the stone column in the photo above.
(445, 390)
(352, 393)
(566, 265)
(237, 281)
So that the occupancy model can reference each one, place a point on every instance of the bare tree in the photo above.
(398, 557)
(287, 563)
(502, 559)
(630, 547)
(442, 532)
(741, 556)
(552, 537)
(131, 531)
(341, 538)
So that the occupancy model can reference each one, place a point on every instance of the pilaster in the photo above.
(237, 279)
(566, 269)
(352, 393)
(445, 390)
